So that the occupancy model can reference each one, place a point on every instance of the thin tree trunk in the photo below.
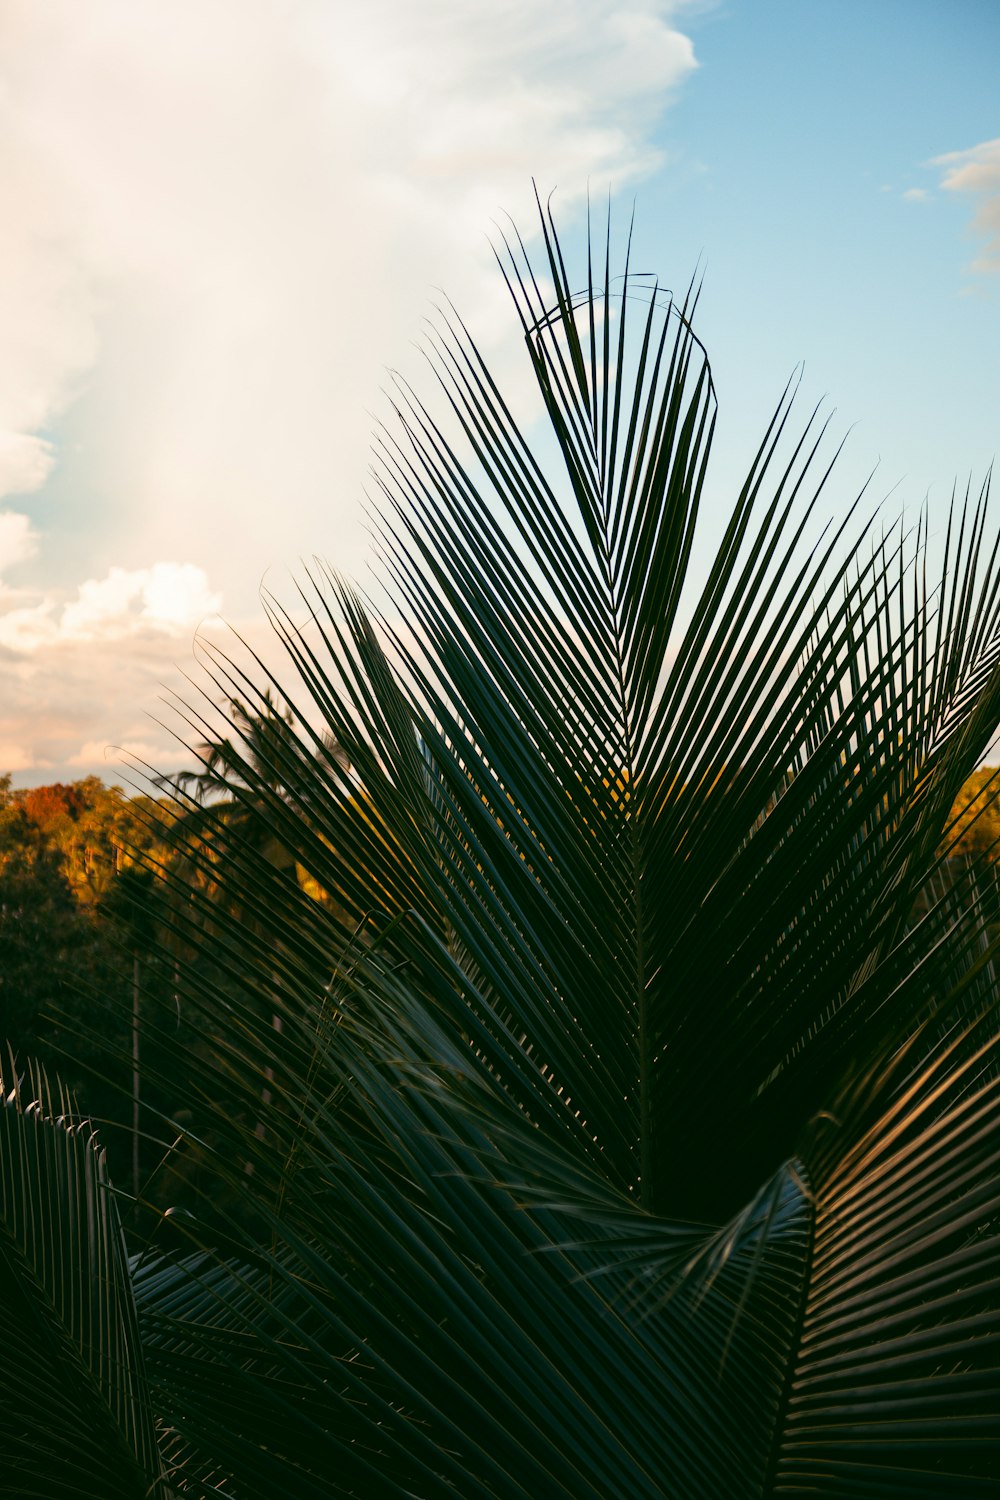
(135, 1077)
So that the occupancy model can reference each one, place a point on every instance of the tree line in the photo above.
(88, 950)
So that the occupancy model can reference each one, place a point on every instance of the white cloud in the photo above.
(177, 595)
(168, 599)
(916, 195)
(15, 757)
(25, 462)
(229, 215)
(103, 606)
(47, 296)
(24, 628)
(18, 539)
(976, 172)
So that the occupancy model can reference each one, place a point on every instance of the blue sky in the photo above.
(797, 141)
(225, 220)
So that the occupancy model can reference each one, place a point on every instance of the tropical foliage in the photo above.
(630, 1127)
(64, 869)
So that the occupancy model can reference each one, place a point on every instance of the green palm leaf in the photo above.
(615, 1139)
(75, 1415)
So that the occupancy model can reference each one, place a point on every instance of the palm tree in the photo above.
(222, 815)
(635, 1133)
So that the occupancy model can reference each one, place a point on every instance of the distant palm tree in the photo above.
(639, 1136)
(226, 806)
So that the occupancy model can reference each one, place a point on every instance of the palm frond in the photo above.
(75, 1418)
(625, 867)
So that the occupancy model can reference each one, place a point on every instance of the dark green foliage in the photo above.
(81, 921)
(41, 935)
(74, 1418)
(595, 1098)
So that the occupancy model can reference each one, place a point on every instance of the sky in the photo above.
(226, 221)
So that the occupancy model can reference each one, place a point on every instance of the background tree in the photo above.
(78, 912)
(974, 826)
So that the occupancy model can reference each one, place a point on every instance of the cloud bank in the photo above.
(222, 219)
